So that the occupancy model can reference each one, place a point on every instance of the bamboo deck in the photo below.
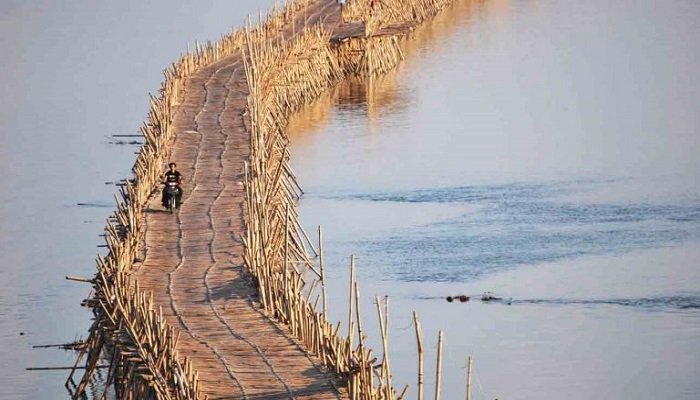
(194, 262)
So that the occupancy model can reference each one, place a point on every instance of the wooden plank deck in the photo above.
(193, 262)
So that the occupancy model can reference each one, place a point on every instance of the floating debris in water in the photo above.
(489, 296)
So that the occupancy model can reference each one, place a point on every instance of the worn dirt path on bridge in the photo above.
(193, 260)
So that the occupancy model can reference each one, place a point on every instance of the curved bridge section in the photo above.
(201, 334)
(194, 264)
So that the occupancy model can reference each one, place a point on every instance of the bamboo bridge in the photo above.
(214, 301)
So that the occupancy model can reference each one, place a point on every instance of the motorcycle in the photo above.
(172, 196)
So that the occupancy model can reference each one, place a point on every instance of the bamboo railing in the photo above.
(369, 56)
(384, 21)
(283, 75)
(128, 329)
(281, 79)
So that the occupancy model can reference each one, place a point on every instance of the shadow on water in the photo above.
(93, 204)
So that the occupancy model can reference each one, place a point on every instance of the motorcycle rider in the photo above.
(172, 175)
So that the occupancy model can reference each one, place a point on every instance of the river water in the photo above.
(545, 151)
(72, 74)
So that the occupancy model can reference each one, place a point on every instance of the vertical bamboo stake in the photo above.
(386, 369)
(359, 319)
(323, 274)
(352, 284)
(386, 312)
(438, 369)
(286, 261)
(469, 379)
(419, 341)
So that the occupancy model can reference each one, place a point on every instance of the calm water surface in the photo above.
(545, 151)
(72, 73)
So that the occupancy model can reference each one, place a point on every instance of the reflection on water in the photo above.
(358, 100)
(369, 99)
(547, 152)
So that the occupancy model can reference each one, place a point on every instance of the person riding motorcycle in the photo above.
(172, 176)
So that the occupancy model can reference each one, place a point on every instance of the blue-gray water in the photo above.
(72, 73)
(545, 151)
(548, 152)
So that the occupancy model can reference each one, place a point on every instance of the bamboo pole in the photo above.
(419, 341)
(438, 368)
(386, 369)
(323, 275)
(350, 304)
(469, 378)
(360, 334)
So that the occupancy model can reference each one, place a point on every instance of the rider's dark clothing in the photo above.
(172, 176)
(169, 177)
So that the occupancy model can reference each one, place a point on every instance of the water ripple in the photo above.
(678, 302)
(520, 224)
